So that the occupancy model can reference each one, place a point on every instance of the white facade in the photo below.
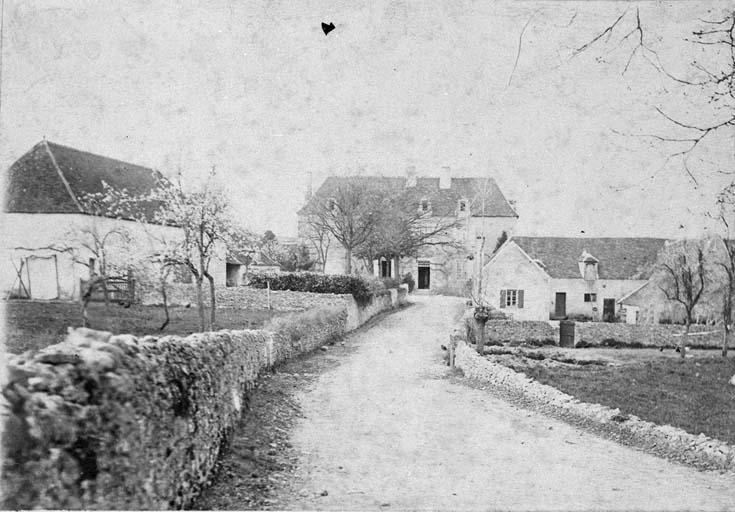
(512, 272)
(46, 251)
(512, 269)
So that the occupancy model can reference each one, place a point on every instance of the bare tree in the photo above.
(351, 214)
(712, 77)
(318, 236)
(682, 277)
(726, 258)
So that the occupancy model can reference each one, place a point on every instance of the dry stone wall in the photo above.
(593, 334)
(694, 449)
(119, 422)
(647, 335)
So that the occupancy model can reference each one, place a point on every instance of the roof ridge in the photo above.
(61, 175)
(64, 146)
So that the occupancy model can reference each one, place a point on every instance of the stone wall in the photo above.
(119, 422)
(648, 335)
(688, 447)
(593, 334)
(516, 332)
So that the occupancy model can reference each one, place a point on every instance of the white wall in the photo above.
(36, 235)
(604, 288)
(511, 269)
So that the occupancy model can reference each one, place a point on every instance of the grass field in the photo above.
(694, 394)
(33, 325)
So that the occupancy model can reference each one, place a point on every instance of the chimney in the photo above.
(308, 186)
(445, 178)
(411, 176)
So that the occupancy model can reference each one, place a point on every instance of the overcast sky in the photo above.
(257, 89)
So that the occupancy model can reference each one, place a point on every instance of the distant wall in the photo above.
(654, 335)
(119, 422)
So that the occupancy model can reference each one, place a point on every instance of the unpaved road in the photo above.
(385, 430)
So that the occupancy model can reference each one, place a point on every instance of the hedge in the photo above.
(361, 289)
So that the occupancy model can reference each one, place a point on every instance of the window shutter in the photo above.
(520, 298)
(502, 298)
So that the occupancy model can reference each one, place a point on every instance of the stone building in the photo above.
(476, 208)
(47, 229)
(542, 278)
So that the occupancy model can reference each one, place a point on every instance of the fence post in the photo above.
(268, 292)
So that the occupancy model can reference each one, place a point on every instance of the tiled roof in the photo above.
(51, 178)
(444, 201)
(619, 258)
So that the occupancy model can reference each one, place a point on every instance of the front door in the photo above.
(560, 305)
(385, 268)
(42, 277)
(424, 278)
(608, 310)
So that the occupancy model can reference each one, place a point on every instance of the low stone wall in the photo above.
(119, 422)
(593, 334)
(696, 449)
(524, 331)
(647, 335)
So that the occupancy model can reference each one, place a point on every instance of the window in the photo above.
(590, 297)
(511, 298)
(462, 205)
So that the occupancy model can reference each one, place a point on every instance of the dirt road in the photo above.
(386, 430)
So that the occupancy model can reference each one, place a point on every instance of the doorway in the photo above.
(608, 310)
(560, 305)
(424, 276)
(385, 268)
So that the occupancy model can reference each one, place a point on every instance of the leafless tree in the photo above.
(682, 277)
(725, 258)
(713, 79)
(351, 214)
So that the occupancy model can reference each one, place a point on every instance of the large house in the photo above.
(475, 207)
(51, 236)
(542, 278)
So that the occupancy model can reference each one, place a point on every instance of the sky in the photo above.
(257, 90)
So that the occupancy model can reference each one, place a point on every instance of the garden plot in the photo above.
(693, 394)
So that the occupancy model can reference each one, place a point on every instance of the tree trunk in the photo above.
(200, 305)
(212, 302)
(683, 343)
(481, 336)
(725, 339)
(348, 261)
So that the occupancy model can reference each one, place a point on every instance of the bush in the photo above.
(408, 279)
(359, 288)
(391, 282)
(580, 318)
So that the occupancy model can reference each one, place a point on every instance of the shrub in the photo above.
(391, 282)
(581, 317)
(359, 288)
(408, 279)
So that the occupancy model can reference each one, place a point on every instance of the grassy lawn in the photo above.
(33, 325)
(693, 394)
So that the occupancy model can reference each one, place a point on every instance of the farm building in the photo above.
(51, 237)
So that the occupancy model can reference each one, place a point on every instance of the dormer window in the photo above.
(588, 266)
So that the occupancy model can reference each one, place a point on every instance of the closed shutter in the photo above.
(502, 298)
(520, 298)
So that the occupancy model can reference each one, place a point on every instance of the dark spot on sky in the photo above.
(327, 28)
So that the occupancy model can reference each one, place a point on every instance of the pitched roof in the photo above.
(444, 201)
(51, 178)
(619, 258)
